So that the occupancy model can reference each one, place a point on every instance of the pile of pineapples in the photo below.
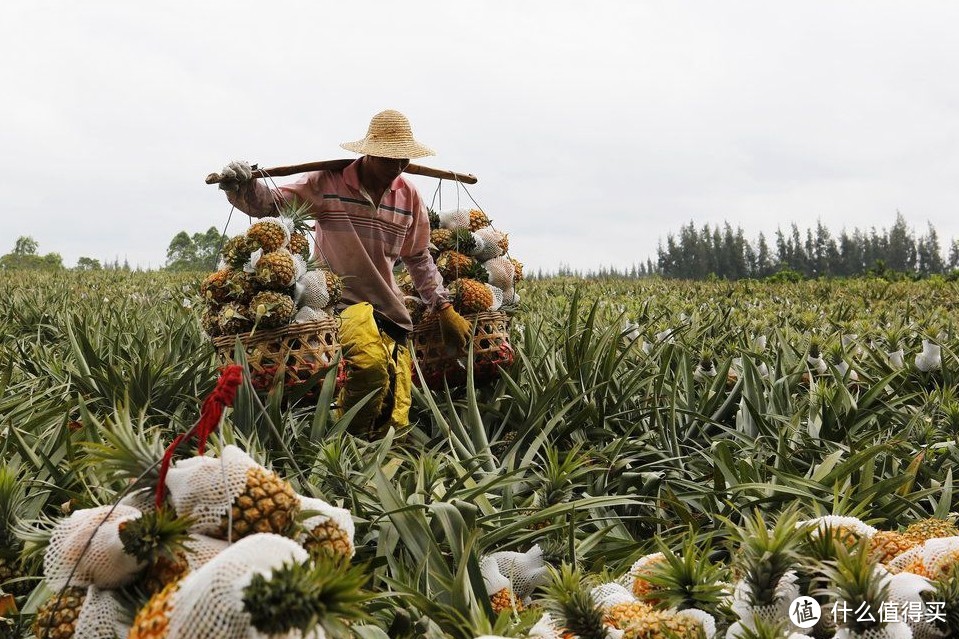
(744, 588)
(473, 258)
(266, 280)
(145, 564)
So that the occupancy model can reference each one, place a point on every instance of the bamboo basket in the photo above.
(301, 350)
(491, 351)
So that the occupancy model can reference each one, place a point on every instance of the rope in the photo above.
(210, 416)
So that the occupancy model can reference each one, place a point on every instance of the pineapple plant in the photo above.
(683, 580)
(57, 617)
(275, 270)
(271, 309)
(470, 296)
(270, 233)
(12, 500)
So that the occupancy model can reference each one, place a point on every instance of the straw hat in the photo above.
(389, 136)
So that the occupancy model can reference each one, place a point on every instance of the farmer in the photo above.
(367, 217)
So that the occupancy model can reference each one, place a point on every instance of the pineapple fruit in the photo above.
(470, 296)
(153, 619)
(328, 538)
(300, 245)
(271, 309)
(237, 250)
(275, 270)
(886, 545)
(503, 600)
(270, 233)
(660, 624)
(623, 615)
(478, 220)
(266, 505)
(57, 617)
(453, 265)
(930, 528)
(158, 539)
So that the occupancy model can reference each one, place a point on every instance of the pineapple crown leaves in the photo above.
(327, 592)
(434, 219)
(947, 591)
(12, 497)
(571, 604)
(857, 581)
(297, 215)
(765, 555)
(124, 451)
(687, 579)
(155, 534)
(559, 473)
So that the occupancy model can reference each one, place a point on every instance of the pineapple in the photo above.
(234, 318)
(215, 287)
(503, 600)
(478, 220)
(683, 580)
(404, 281)
(210, 321)
(157, 538)
(271, 309)
(328, 538)
(415, 307)
(503, 243)
(764, 558)
(300, 245)
(276, 269)
(153, 619)
(518, 269)
(643, 589)
(434, 219)
(659, 624)
(266, 505)
(334, 286)
(453, 265)
(573, 607)
(270, 233)
(460, 240)
(470, 296)
(57, 618)
(240, 287)
(931, 528)
(237, 250)
(856, 581)
(624, 614)
(886, 545)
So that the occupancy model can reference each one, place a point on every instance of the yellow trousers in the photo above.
(375, 362)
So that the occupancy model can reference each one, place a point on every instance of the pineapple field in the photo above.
(662, 459)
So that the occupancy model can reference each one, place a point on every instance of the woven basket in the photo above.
(491, 350)
(304, 349)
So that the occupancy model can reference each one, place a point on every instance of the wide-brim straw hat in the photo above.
(389, 136)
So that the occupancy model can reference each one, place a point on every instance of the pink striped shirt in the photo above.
(358, 240)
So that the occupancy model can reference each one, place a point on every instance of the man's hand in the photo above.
(456, 331)
(234, 174)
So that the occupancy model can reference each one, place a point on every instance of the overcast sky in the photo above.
(595, 128)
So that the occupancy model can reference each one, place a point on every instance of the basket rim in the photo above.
(292, 329)
(431, 324)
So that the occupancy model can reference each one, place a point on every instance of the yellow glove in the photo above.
(455, 330)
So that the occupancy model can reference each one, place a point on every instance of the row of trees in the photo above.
(726, 253)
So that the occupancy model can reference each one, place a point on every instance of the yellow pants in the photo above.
(375, 362)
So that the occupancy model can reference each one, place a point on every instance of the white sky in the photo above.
(595, 127)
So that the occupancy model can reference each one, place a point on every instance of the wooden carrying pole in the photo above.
(337, 165)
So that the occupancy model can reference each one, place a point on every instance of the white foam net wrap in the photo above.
(315, 294)
(209, 601)
(455, 219)
(501, 272)
(203, 488)
(101, 617)
(104, 563)
(480, 245)
(933, 556)
(299, 267)
(611, 594)
(491, 248)
(307, 314)
(546, 628)
(319, 512)
(493, 579)
(201, 549)
(835, 522)
(524, 570)
(640, 566)
(497, 297)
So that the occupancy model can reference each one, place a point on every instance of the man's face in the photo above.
(385, 169)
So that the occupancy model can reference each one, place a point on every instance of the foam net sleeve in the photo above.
(204, 488)
(209, 602)
(501, 272)
(321, 512)
(611, 594)
(525, 570)
(104, 563)
(101, 617)
(455, 219)
(316, 294)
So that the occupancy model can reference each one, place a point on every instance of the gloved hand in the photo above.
(234, 174)
(456, 331)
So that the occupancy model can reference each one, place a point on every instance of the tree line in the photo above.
(721, 251)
